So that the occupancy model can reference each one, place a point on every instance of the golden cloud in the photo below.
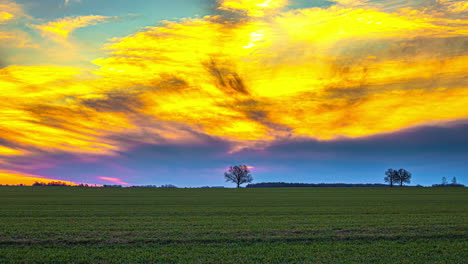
(5, 16)
(5, 151)
(9, 11)
(60, 29)
(15, 178)
(455, 6)
(291, 71)
(35, 111)
(254, 8)
(11, 37)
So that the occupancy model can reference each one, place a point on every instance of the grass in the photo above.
(291, 225)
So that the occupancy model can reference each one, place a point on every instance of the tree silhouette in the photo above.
(444, 181)
(454, 180)
(238, 174)
(403, 176)
(391, 176)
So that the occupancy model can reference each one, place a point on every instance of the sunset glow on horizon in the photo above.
(98, 94)
(16, 178)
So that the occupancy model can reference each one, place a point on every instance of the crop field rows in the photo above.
(290, 225)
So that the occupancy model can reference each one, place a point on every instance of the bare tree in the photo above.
(238, 174)
(391, 176)
(403, 176)
(444, 181)
(454, 181)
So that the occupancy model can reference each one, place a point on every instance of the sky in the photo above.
(174, 92)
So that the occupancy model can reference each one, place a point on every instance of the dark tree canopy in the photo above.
(391, 176)
(403, 176)
(400, 176)
(238, 174)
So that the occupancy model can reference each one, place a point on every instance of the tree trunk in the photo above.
(238, 185)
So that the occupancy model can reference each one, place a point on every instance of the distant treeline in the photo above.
(168, 186)
(253, 185)
(284, 184)
(448, 185)
(54, 183)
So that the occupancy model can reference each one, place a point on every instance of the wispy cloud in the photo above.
(16, 39)
(113, 180)
(67, 2)
(60, 29)
(9, 10)
(10, 36)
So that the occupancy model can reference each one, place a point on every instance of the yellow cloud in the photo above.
(9, 11)
(5, 16)
(455, 6)
(35, 111)
(254, 8)
(5, 151)
(243, 82)
(374, 114)
(60, 29)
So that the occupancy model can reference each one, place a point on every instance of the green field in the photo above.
(292, 225)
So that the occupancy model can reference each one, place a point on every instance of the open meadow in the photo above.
(290, 225)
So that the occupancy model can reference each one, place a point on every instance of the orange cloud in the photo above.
(17, 178)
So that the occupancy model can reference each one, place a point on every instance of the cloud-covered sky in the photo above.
(157, 92)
